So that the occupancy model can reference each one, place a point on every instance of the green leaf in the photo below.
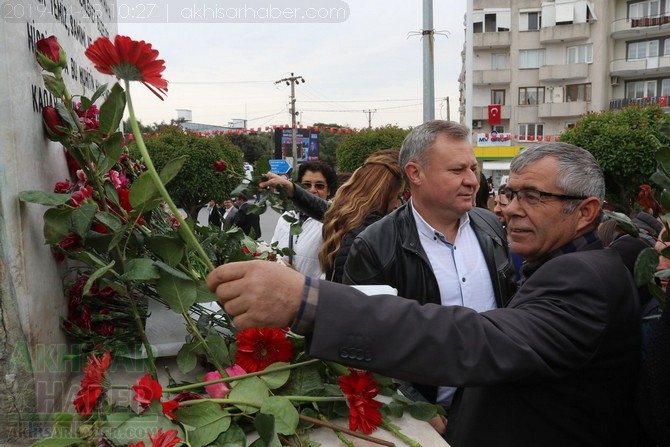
(111, 111)
(97, 275)
(645, 266)
(137, 429)
(208, 419)
(265, 426)
(170, 249)
(187, 357)
(44, 198)
(422, 411)
(98, 93)
(218, 347)
(144, 194)
(285, 414)
(172, 271)
(82, 218)
(304, 381)
(251, 390)
(54, 85)
(277, 379)
(177, 292)
(233, 437)
(112, 147)
(57, 224)
(203, 294)
(140, 269)
(60, 442)
(110, 221)
(172, 168)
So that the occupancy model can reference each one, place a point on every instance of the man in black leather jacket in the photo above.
(437, 248)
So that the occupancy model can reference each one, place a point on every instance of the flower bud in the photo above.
(50, 55)
(53, 123)
(220, 166)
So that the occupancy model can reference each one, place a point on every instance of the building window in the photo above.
(498, 61)
(531, 95)
(640, 89)
(498, 128)
(651, 8)
(498, 97)
(530, 21)
(642, 50)
(578, 92)
(665, 87)
(531, 58)
(530, 132)
(580, 54)
(666, 47)
(490, 22)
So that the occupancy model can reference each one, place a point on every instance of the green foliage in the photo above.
(329, 142)
(254, 146)
(356, 147)
(624, 143)
(197, 182)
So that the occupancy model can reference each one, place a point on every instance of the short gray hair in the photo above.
(421, 138)
(578, 174)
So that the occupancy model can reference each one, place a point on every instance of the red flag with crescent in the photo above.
(494, 114)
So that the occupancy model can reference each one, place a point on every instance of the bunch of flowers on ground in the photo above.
(127, 243)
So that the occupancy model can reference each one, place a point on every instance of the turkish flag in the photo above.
(494, 114)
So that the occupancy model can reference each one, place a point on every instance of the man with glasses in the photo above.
(437, 248)
(555, 367)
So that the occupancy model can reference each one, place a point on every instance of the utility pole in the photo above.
(292, 81)
(369, 112)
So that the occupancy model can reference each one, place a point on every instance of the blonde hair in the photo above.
(369, 190)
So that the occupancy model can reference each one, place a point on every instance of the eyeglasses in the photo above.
(534, 196)
(318, 186)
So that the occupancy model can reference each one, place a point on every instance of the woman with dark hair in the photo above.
(319, 180)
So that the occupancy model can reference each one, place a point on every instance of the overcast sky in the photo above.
(222, 69)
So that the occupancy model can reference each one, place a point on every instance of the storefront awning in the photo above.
(496, 165)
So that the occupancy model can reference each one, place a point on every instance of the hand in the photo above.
(258, 293)
(271, 180)
(439, 423)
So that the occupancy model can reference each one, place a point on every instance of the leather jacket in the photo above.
(389, 252)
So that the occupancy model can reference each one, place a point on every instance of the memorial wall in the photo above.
(32, 378)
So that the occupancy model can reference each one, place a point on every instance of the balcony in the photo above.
(483, 41)
(565, 33)
(640, 67)
(482, 113)
(643, 27)
(491, 77)
(617, 104)
(563, 72)
(563, 109)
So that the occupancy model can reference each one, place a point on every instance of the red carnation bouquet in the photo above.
(127, 243)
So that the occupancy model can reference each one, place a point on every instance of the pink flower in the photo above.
(81, 196)
(216, 390)
(235, 370)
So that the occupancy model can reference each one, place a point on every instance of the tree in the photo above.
(254, 146)
(198, 181)
(329, 142)
(356, 147)
(624, 143)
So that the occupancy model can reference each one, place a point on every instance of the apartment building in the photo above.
(537, 66)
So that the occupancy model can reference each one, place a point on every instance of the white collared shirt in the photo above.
(460, 268)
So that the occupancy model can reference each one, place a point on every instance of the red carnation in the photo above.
(258, 348)
(646, 197)
(71, 242)
(63, 187)
(92, 384)
(49, 54)
(360, 389)
(130, 60)
(220, 166)
(167, 439)
(53, 123)
(147, 390)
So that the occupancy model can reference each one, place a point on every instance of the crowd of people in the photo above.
(518, 321)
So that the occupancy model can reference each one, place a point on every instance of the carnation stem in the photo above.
(396, 431)
(339, 428)
(196, 333)
(192, 386)
(187, 232)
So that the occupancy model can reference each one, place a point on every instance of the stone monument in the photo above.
(32, 372)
